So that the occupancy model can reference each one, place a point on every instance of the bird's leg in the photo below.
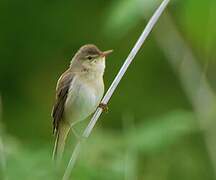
(104, 107)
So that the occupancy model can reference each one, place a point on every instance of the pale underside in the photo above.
(83, 98)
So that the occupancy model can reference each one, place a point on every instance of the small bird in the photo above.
(78, 93)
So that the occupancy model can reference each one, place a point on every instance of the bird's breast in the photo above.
(83, 99)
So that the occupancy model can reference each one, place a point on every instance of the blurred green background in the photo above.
(161, 119)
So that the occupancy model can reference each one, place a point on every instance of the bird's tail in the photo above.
(60, 138)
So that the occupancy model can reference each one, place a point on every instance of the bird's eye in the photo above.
(89, 58)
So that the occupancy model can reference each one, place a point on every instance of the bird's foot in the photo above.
(104, 107)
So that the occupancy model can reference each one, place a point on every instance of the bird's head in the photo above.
(90, 57)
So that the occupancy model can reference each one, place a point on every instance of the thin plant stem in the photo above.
(193, 80)
(114, 84)
(2, 150)
(130, 161)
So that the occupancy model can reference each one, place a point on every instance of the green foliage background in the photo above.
(151, 131)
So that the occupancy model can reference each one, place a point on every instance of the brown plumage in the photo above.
(78, 93)
(62, 88)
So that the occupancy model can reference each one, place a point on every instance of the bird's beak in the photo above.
(106, 53)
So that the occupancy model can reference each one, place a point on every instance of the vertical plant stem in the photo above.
(2, 151)
(130, 161)
(115, 83)
(196, 86)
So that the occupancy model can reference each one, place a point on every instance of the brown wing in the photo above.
(62, 89)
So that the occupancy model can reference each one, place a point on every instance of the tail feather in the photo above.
(60, 138)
